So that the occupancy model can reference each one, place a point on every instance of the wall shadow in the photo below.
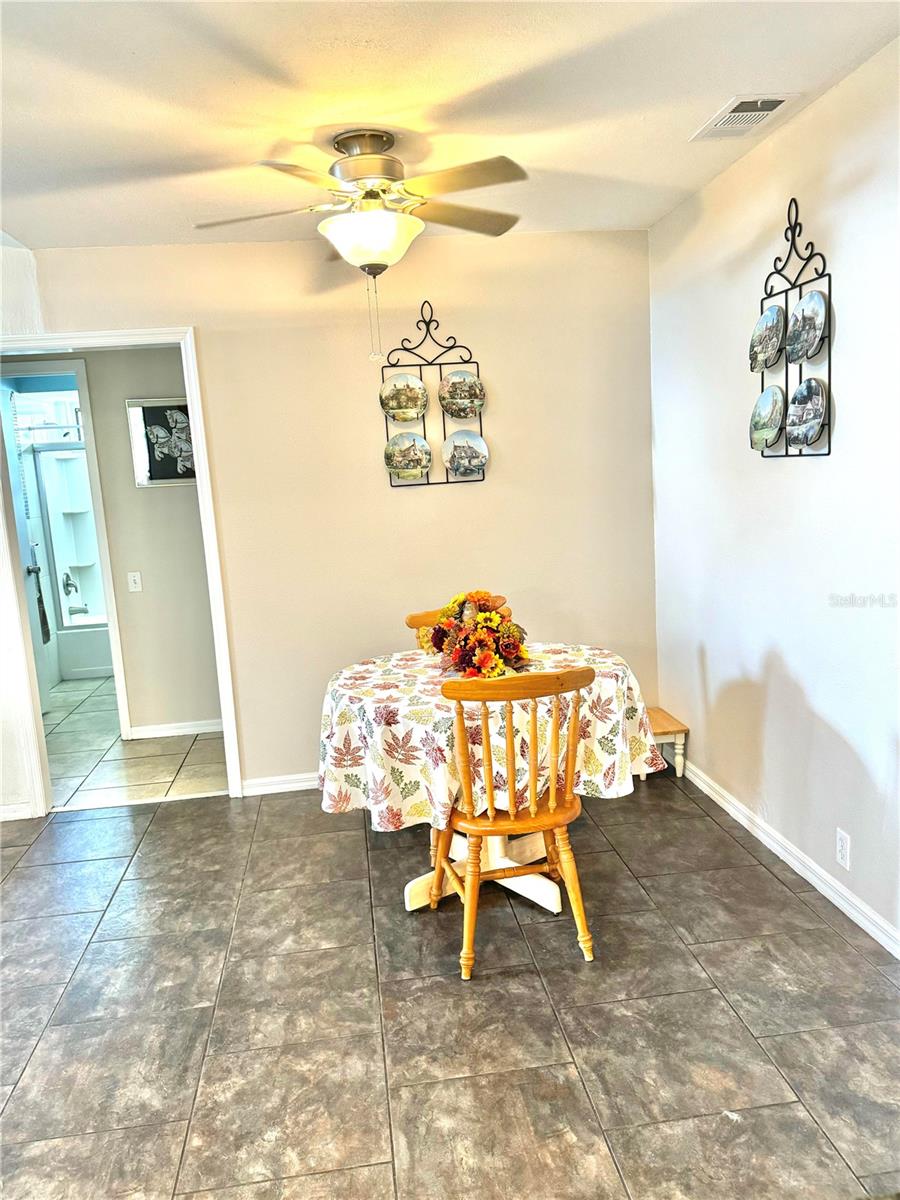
(771, 749)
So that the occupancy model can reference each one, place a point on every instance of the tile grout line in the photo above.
(178, 772)
(205, 1056)
(134, 758)
(798, 896)
(285, 1178)
(787, 1082)
(77, 708)
(215, 1005)
(387, 1086)
(562, 1029)
(88, 944)
(60, 1137)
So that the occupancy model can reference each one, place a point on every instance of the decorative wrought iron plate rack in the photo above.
(429, 353)
(798, 270)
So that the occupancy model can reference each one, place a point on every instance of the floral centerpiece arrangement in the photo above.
(476, 635)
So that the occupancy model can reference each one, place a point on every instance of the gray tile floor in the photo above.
(227, 999)
(90, 766)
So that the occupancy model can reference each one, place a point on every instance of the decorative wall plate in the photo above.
(766, 418)
(767, 338)
(806, 327)
(407, 456)
(806, 412)
(465, 454)
(403, 397)
(461, 395)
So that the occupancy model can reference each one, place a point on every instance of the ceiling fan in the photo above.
(377, 211)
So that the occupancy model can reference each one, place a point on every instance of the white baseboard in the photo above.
(89, 672)
(16, 812)
(160, 731)
(305, 782)
(838, 893)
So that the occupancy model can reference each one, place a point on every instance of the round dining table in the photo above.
(388, 746)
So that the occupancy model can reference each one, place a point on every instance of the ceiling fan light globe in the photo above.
(372, 238)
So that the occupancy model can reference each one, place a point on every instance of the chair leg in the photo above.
(552, 855)
(441, 850)
(470, 906)
(434, 843)
(679, 754)
(573, 887)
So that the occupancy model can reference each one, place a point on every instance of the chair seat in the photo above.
(502, 824)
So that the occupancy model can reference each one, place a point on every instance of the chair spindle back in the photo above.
(509, 688)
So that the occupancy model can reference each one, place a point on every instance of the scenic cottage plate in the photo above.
(407, 456)
(806, 326)
(766, 418)
(461, 395)
(403, 397)
(465, 453)
(806, 412)
(767, 338)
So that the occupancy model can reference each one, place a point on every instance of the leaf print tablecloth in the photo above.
(388, 738)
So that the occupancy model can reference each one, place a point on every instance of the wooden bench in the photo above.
(667, 728)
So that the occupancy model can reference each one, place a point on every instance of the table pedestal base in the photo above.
(496, 852)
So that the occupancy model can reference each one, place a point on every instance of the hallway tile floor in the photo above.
(90, 766)
(225, 999)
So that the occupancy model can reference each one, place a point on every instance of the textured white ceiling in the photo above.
(126, 122)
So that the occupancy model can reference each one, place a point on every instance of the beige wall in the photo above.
(166, 629)
(792, 702)
(321, 558)
(21, 308)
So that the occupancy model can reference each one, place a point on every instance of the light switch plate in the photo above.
(135, 583)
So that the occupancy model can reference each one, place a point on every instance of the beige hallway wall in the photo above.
(166, 629)
(321, 558)
(792, 695)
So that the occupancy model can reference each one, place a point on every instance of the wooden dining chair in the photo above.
(422, 620)
(550, 813)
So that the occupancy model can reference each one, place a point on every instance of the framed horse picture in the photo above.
(161, 447)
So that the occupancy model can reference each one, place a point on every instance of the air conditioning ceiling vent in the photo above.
(742, 115)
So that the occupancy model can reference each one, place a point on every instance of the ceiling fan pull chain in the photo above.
(377, 317)
(376, 354)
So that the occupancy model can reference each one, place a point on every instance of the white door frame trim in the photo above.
(76, 367)
(28, 733)
(183, 337)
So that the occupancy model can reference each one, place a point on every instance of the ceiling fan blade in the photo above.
(283, 212)
(317, 178)
(471, 175)
(476, 220)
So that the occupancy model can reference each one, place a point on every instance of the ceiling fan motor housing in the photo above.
(365, 159)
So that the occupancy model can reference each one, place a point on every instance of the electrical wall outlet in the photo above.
(842, 850)
(135, 583)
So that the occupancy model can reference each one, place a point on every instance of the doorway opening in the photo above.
(128, 670)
